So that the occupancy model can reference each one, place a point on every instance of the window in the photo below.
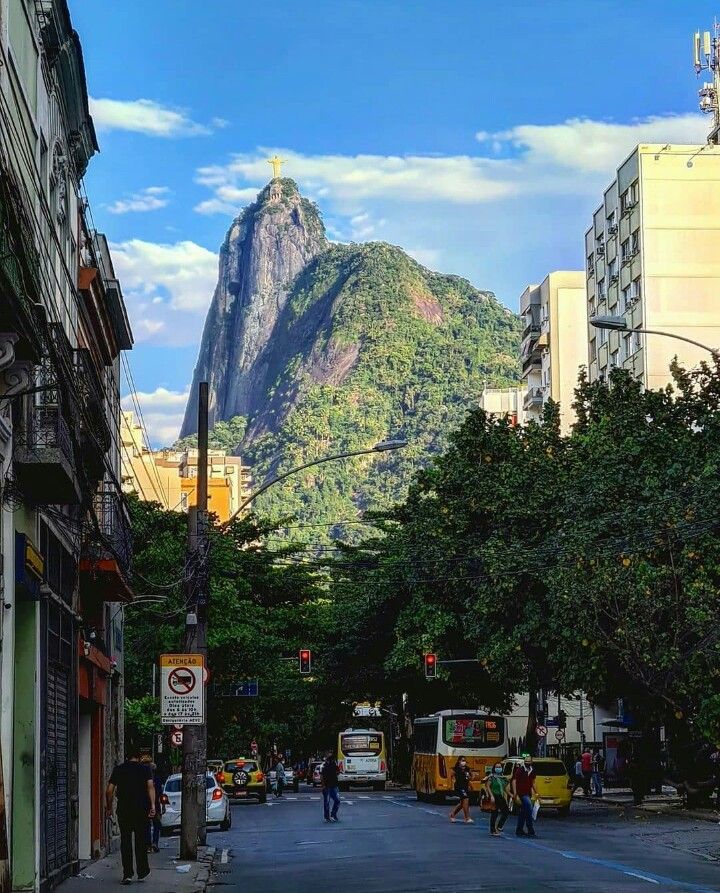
(425, 736)
(626, 298)
(635, 341)
(601, 289)
(625, 249)
(591, 263)
(615, 359)
(600, 240)
(635, 290)
(361, 743)
(24, 51)
(613, 268)
(612, 225)
(625, 349)
(593, 350)
(635, 242)
(603, 336)
(629, 198)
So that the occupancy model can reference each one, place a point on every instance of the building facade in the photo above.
(653, 257)
(64, 527)
(554, 345)
(170, 476)
(504, 403)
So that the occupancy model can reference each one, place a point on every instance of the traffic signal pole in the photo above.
(194, 761)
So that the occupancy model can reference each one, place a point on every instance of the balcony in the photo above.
(533, 398)
(44, 465)
(531, 320)
(94, 430)
(107, 552)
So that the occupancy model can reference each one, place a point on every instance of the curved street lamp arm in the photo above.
(281, 477)
(715, 351)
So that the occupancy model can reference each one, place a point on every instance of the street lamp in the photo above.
(620, 324)
(381, 447)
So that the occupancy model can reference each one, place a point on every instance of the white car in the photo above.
(291, 781)
(218, 804)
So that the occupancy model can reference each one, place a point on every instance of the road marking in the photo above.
(363, 797)
(349, 802)
(291, 798)
(224, 857)
(643, 877)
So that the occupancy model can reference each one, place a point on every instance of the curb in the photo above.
(673, 808)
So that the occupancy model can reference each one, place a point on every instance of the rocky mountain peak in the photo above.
(266, 247)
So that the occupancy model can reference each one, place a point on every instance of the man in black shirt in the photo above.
(329, 779)
(133, 783)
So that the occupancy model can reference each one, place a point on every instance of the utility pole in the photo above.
(194, 764)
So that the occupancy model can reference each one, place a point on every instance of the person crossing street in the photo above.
(497, 786)
(330, 788)
(279, 778)
(524, 791)
(462, 789)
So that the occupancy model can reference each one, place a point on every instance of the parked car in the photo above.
(313, 773)
(242, 779)
(291, 780)
(551, 780)
(218, 804)
(214, 766)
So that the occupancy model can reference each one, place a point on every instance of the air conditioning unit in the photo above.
(612, 229)
(614, 278)
(600, 250)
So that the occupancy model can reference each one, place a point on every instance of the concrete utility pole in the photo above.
(194, 765)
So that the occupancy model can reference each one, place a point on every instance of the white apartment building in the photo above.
(554, 345)
(504, 403)
(653, 257)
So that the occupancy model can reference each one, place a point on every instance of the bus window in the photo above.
(473, 732)
(360, 744)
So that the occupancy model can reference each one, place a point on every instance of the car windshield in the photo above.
(173, 785)
(235, 766)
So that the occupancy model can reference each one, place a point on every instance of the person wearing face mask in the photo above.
(497, 788)
(462, 789)
(523, 790)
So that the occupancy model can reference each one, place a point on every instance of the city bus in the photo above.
(445, 736)
(361, 758)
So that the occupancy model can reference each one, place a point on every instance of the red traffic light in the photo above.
(430, 666)
(305, 660)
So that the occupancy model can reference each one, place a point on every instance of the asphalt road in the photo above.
(390, 842)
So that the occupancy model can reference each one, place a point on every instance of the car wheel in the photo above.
(226, 824)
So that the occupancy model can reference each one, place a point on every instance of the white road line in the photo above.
(316, 798)
(349, 802)
(363, 797)
(291, 798)
(643, 877)
(224, 857)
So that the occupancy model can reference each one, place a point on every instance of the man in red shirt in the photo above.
(586, 760)
(522, 787)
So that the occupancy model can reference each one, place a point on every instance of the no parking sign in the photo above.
(182, 693)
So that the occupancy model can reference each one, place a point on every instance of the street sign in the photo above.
(541, 731)
(551, 721)
(176, 739)
(182, 694)
(248, 689)
(560, 735)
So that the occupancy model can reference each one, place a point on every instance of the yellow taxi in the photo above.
(242, 779)
(552, 782)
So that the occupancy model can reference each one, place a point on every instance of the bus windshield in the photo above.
(361, 743)
(473, 731)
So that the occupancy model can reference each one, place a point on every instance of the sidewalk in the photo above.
(168, 874)
(659, 804)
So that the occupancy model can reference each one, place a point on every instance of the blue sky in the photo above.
(476, 135)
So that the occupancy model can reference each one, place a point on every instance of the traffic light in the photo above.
(430, 666)
(562, 719)
(305, 660)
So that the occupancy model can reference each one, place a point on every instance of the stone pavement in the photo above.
(168, 874)
(666, 803)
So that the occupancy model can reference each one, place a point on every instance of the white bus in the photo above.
(361, 758)
(441, 739)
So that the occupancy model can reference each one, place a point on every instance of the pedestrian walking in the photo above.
(598, 770)
(497, 786)
(330, 788)
(279, 777)
(577, 775)
(132, 783)
(586, 761)
(462, 789)
(522, 788)
(155, 823)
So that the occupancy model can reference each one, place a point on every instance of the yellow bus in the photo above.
(441, 739)
(361, 758)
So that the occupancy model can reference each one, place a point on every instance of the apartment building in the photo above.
(504, 403)
(170, 476)
(65, 542)
(653, 257)
(554, 345)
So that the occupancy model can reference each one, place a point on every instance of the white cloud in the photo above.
(593, 147)
(150, 199)
(428, 257)
(144, 116)
(219, 123)
(167, 288)
(162, 411)
(228, 200)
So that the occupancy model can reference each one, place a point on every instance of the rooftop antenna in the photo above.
(706, 53)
